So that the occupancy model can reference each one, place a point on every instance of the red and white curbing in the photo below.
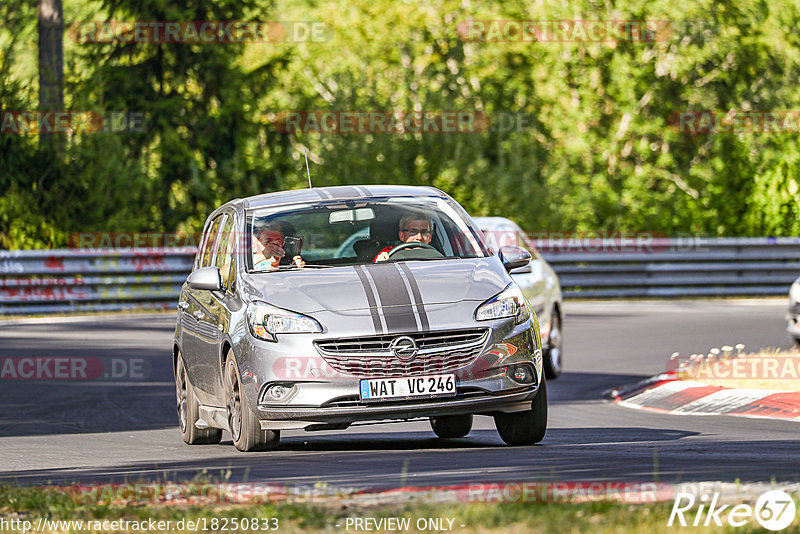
(666, 393)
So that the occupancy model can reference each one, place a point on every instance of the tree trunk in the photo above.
(51, 59)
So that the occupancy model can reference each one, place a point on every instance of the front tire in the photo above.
(243, 424)
(452, 426)
(188, 411)
(528, 427)
(553, 352)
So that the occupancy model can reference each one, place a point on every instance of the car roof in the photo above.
(341, 192)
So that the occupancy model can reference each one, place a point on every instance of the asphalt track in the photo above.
(124, 430)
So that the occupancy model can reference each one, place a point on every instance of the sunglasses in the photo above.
(415, 231)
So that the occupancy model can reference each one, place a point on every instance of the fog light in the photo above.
(520, 374)
(278, 392)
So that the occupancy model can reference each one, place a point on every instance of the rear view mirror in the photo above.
(350, 216)
(514, 257)
(207, 278)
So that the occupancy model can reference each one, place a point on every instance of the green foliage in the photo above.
(594, 147)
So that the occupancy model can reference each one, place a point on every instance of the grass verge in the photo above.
(332, 514)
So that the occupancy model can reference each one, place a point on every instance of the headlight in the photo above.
(508, 303)
(794, 292)
(265, 321)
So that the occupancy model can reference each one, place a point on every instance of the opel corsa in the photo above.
(376, 303)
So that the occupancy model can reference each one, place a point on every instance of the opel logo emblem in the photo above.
(404, 348)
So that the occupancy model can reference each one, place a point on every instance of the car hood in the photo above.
(390, 284)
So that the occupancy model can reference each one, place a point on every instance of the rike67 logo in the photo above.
(774, 510)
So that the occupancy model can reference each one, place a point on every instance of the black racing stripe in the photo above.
(363, 190)
(322, 194)
(373, 305)
(395, 302)
(343, 191)
(415, 292)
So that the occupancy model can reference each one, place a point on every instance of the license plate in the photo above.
(408, 387)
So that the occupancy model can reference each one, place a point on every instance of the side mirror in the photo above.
(514, 257)
(207, 278)
(525, 269)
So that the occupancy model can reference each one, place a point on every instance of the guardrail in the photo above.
(49, 281)
(678, 267)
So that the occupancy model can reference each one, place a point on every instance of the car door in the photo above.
(216, 310)
(189, 308)
(200, 326)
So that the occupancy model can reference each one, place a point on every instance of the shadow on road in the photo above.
(33, 407)
(53, 408)
(378, 460)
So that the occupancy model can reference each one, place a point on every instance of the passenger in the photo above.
(413, 227)
(268, 248)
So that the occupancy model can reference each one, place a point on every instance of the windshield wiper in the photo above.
(423, 259)
(306, 266)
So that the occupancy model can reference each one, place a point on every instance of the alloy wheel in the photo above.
(233, 399)
(180, 391)
(554, 344)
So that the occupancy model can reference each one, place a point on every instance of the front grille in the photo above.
(439, 352)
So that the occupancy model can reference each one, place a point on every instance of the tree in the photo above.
(51, 58)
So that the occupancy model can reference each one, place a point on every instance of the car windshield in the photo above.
(363, 231)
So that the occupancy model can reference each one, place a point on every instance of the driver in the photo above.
(414, 227)
(268, 248)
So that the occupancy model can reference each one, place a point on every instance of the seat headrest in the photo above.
(384, 229)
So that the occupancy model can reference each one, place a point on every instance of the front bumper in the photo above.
(302, 417)
(320, 395)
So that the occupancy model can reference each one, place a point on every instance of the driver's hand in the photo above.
(383, 256)
(274, 250)
(299, 261)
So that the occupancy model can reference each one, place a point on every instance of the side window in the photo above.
(224, 256)
(210, 243)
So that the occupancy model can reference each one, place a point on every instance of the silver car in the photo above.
(793, 317)
(321, 335)
(538, 282)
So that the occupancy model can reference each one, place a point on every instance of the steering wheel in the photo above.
(412, 244)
